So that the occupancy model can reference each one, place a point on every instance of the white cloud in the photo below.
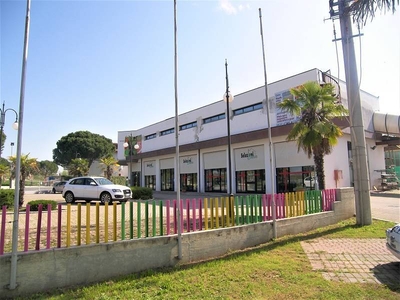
(227, 7)
(242, 7)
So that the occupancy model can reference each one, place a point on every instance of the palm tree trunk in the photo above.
(319, 168)
(21, 190)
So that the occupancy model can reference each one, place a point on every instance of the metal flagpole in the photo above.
(271, 148)
(177, 164)
(14, 251)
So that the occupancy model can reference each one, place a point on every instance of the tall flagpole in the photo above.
(177, 164)
(14, 247)
(271, 147)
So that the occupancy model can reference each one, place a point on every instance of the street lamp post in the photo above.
(136, 147)
(228, 97)
(2, 121)
(12, 145)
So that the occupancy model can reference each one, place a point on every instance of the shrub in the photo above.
(6, 198)
(121, 180)
(34, 205)
(141, 193)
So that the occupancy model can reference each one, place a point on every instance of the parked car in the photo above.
(58, 187)
(393, 240)
(309, 181)
(95, 188)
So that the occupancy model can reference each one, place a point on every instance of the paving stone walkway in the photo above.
(353, 260)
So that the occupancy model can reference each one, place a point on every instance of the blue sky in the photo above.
(105, 66)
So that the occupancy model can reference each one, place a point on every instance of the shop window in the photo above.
(295, 179)
(250, 181)
(167, 180)
(189, 182)
(215, 180)
(150, 182)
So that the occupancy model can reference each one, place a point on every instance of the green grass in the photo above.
(276, 270)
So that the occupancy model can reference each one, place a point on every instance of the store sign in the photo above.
(250, 154)
(187, 161)
(149, 165)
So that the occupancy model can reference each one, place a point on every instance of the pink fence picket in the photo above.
(167, 204)
(328, 197)
(27, 215)
(280, 206)
(194, 214)
(39, 226)
(187, 215)
(3, 229)
(175, 217)
(59, 215)
(48, 237)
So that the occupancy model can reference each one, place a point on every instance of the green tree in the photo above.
(28, 166)
(4, 171)
(109, 163)
(315, 131)
(47, 168)
(3, 139)
(82, 144)
(78, 167)
(362, 10)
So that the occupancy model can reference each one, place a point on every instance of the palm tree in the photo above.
(315, 131)
(109, 164)
(4, 170)
(28, 166)
(362, 10)
(78, 167)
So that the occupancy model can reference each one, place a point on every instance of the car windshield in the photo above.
(103, 181)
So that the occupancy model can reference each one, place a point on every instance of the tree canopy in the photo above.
(82, 144)
(315, 132)
(108, 165)
(28, 166)
(78, 167)
(47, 168)
(362, 10)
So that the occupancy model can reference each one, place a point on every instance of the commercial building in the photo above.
(150, 152)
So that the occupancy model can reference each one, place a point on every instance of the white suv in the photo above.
(95, 188)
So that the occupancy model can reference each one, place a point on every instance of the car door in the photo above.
(91, 189)
(77, 187)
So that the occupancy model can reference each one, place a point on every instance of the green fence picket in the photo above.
(131, 220)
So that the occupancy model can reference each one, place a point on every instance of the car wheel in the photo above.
(69, 197)
(105, 198)
(54, 191)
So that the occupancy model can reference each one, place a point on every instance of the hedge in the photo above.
(141, 193)
(7, 198)
(34, 205)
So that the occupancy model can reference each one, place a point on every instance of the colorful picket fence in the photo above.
(76, 225)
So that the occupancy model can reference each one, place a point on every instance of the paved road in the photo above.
(386, 208)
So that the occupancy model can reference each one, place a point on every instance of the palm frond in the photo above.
(362, 10)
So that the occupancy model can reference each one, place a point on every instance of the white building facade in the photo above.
(203, 146)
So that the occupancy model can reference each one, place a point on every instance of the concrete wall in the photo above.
(45, 270)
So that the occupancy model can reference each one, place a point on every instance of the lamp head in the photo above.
(15, 125)
(228, 98)
(136, 146)
(126, 144)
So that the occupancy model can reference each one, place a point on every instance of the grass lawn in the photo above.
(276, 270)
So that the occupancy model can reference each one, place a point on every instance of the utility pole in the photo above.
(358, 144)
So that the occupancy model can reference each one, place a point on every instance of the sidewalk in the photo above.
(353, 260)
